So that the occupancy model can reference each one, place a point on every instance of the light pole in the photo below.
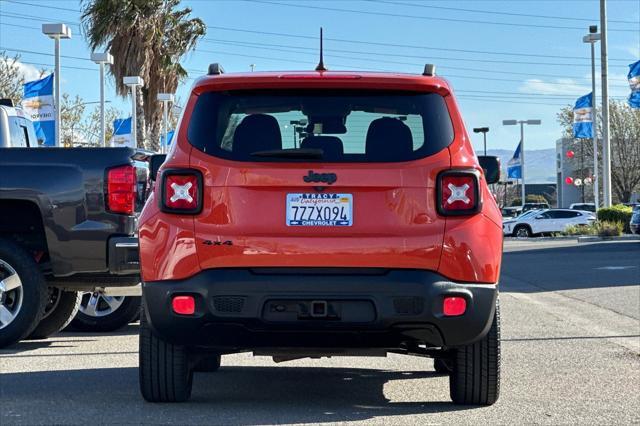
(591, 38)
(102, 58)
(133, 82)
(57, 32)
(522, 123)
(484, 131)
(606, 147)
(165, 98)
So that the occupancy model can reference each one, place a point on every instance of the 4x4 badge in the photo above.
(320, 177)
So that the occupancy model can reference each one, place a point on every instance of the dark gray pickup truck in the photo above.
(67, 224)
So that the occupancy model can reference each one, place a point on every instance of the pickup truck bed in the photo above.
(54, 203)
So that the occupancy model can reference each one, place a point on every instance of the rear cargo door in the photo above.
(321, 181)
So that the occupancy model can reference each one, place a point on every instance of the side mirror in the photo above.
(491, 167)
(540, 217)
(155, 161)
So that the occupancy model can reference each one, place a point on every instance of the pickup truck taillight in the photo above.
(458, 192)
(121, 189)
(181, 191)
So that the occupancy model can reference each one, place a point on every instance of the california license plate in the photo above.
(319, 209)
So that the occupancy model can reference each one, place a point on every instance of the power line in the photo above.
(43, 53)
(48, 7)
(429, 18)
(261, 46)
(495, 12)
(407, 46)
(493, 61)
(34, 18)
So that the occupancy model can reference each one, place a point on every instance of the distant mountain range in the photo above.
(540, 164)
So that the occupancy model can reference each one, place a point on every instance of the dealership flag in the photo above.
(514, 166)
(169, 138)
(38, 104)
(122, 133)
(583, 117)
(634, 84)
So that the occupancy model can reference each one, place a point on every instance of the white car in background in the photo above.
(546, 221)
(16, 130)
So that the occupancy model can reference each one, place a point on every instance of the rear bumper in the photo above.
(242, 309)
(124, 257)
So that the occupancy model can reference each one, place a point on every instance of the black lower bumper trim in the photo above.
(241, 309)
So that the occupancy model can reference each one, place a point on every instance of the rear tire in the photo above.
(164, 372)
(103, 319)
(522, 231)
(61, 307)
(21, 302)
(475, 379)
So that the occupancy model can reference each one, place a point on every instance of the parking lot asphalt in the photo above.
(570, 353)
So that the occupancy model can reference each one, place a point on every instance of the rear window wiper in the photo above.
(290, 153)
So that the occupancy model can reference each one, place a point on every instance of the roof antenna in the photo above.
(321, 66)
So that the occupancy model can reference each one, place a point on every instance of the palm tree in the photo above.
(146, 38)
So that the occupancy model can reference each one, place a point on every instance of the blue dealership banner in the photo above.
(634, 84)
(583, 117)
(122, 133)
(169, 138)
(38, 105)
(514, 166)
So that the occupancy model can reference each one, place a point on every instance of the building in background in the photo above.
(573, 173)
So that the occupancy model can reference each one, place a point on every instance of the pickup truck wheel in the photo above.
(100, 313)
(23, 293)
(208, 364)
(60, 309)
(164, 371)
(475, 379)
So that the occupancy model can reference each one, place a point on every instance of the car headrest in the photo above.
(331, 146)
(257, 132)
(388, 139)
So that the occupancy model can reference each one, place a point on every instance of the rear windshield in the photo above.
(314, 125)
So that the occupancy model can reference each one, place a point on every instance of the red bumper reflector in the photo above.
(454, 306)
(183, 305)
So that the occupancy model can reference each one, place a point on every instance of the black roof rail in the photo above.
(6, 102)
(215, 69)
(429, 70)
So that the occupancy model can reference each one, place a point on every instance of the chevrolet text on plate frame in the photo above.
(319, 209)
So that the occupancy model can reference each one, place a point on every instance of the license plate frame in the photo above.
(317, 210)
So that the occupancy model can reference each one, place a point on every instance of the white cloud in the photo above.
(29, 72)
(618, 86)
(561, 86)
(634, 51)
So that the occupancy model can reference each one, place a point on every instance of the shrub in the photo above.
(599, 228)
(608, 229)
(579, 230)
(618, 213)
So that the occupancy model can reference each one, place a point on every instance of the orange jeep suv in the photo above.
(310, 214)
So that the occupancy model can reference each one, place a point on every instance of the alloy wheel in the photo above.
(11, 294)
(99, 305)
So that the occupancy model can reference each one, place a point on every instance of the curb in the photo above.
(620, 238)
(583, 239)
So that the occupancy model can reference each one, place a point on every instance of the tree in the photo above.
(624, 136)
(530, 198)
(71, 113)
(91, 127)
(146, 38)
(11, 79)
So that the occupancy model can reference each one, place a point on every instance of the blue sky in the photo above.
(501, 64)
